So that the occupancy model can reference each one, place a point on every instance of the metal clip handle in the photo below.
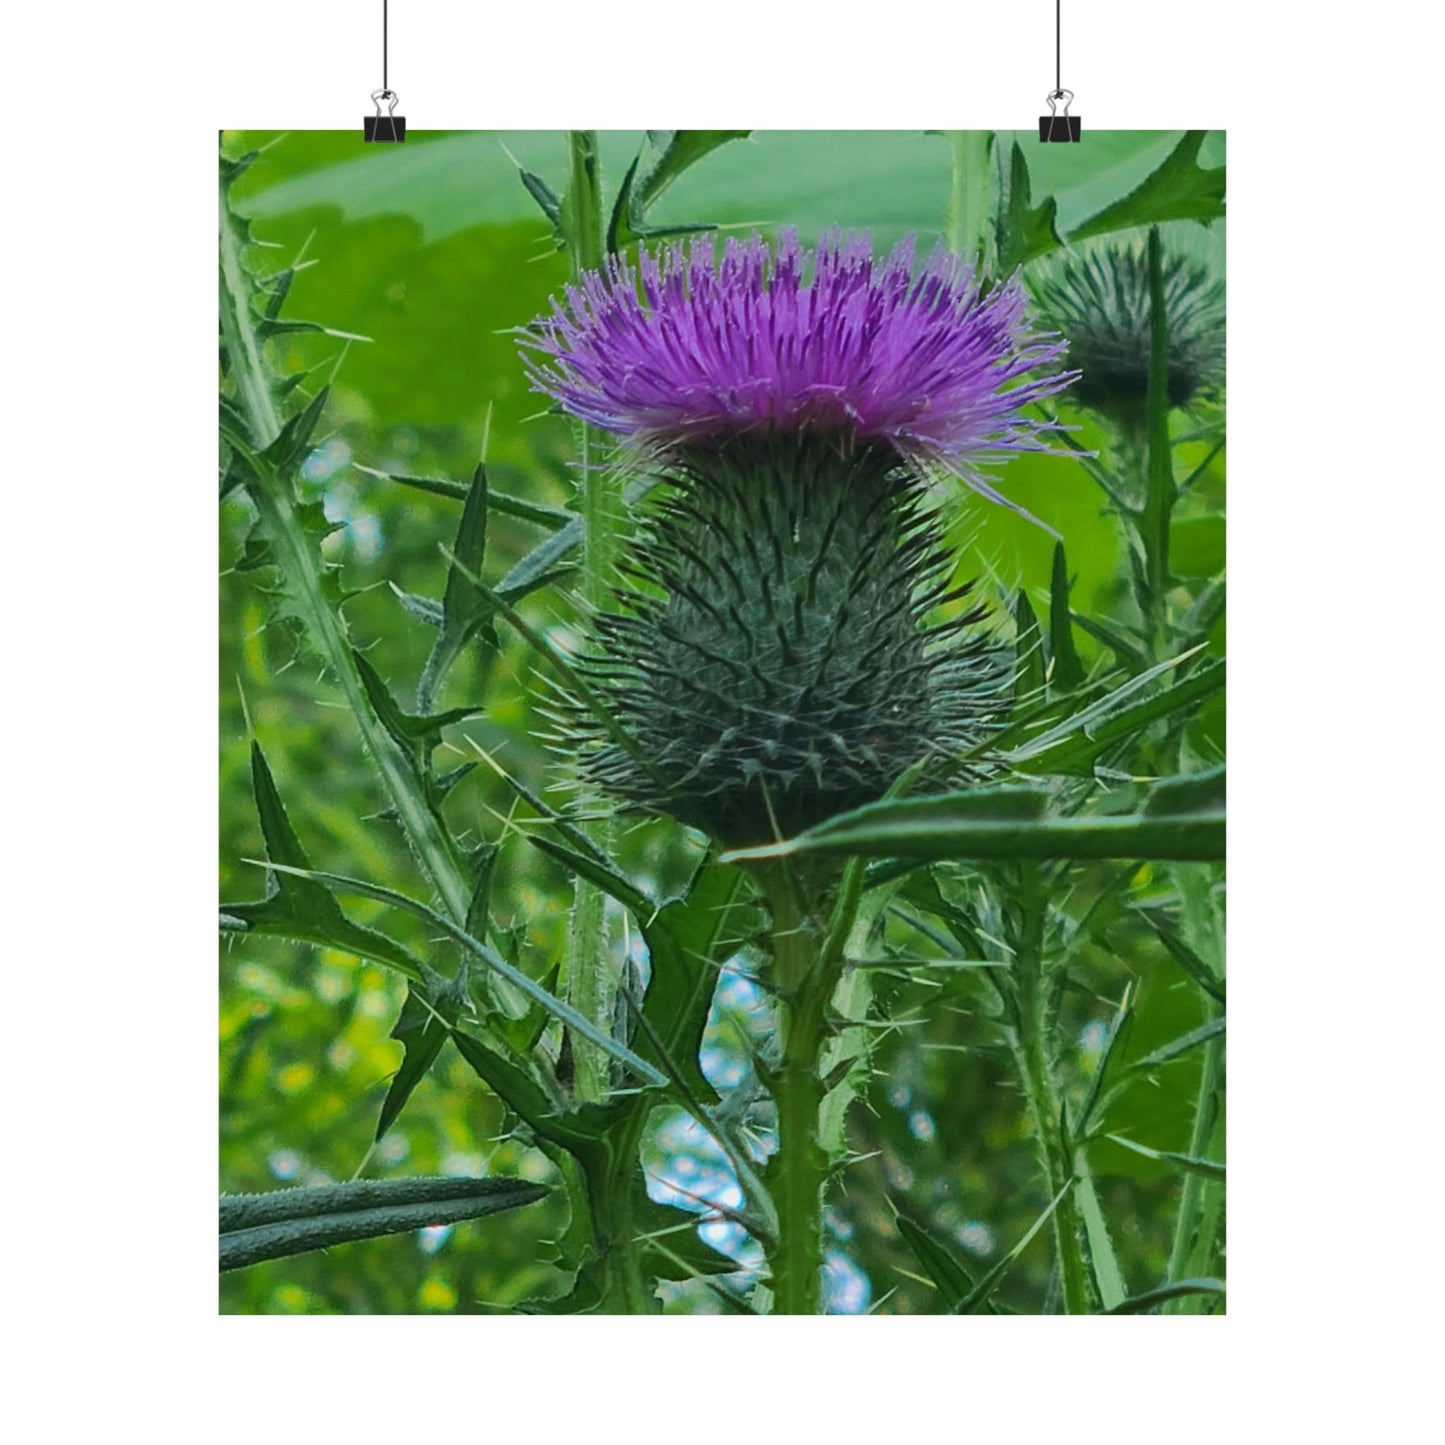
(1054, 97)
(391, 98)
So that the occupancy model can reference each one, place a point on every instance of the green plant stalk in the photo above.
(627, 1290)
(591, 987)
(591, 990)
(582, 210)
(1196, 1226)
(797, 1262)
(1198, 1212)
(968, 202)
(808, 958)
(302, 568)
(1029, 1039)
(1160, 490)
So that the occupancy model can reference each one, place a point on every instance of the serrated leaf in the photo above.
(585, 1296)
(1176, 1048)
(522, 1033)
(1024, 231)
(949, 1277)
(422, 1028)
(409, 731)
(1131, 654)
(293, 441)
(1104, 1263)
(1200, 792)
(1068, 671)
(523, 507)
(676, 151)
(1029, 665)
(541, 562)
(1007, 822)
(466, 614)
(669, 1240)
(977, 1298)
(546, 198)
(679, 151)
(689, 940)
(445, 782)
(1208, 1168)
(296, 907)
(1142, 1303)
(684, 938)
(275, 289)
(580, 1132)
(425, 608)
(256, 552)
(1185, 956)
(1114, 1042)
(1180, 190)
(267, 329)
(489, 956)
(1074, 745)
(296, 1221)
(599, 874)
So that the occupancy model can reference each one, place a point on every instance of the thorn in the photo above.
(245, 710)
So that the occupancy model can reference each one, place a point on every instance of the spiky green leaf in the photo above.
(295, 1221)
(294, 906)
(1180, 190)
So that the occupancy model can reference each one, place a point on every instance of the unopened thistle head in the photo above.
(780, 655)
(1100, 303)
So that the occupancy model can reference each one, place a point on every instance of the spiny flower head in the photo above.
(781, 658)
(690, 348)
(1100, 302)
(791, 642)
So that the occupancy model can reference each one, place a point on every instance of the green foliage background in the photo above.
(435, 251)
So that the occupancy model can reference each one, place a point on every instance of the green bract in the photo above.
(793, 642)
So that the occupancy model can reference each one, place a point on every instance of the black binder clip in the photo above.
(385, 128)
(1056, 127)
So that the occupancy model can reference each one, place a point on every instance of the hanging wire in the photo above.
(1054, 127)
(1058, 46)
(389, 127)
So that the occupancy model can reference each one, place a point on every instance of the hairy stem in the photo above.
(628, 1289)
(1160, 490)
(1197, 1224)
(591, 988)
(968, 202)
(1029, 1039)
(804, 982)
(1194, 1229)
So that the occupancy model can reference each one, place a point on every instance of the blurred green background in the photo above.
(435, 252)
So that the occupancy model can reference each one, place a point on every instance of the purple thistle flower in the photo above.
(926, 359)
(794, 643)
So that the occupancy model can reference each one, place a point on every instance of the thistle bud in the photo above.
(1100, 303)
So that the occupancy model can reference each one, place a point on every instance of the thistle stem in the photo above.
(628, 1290)
(590, 988)
(1197, 1223)
(1029, 1039)
(968, 202)
(804, 983)
(1191, 1250)
(1160, 490)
